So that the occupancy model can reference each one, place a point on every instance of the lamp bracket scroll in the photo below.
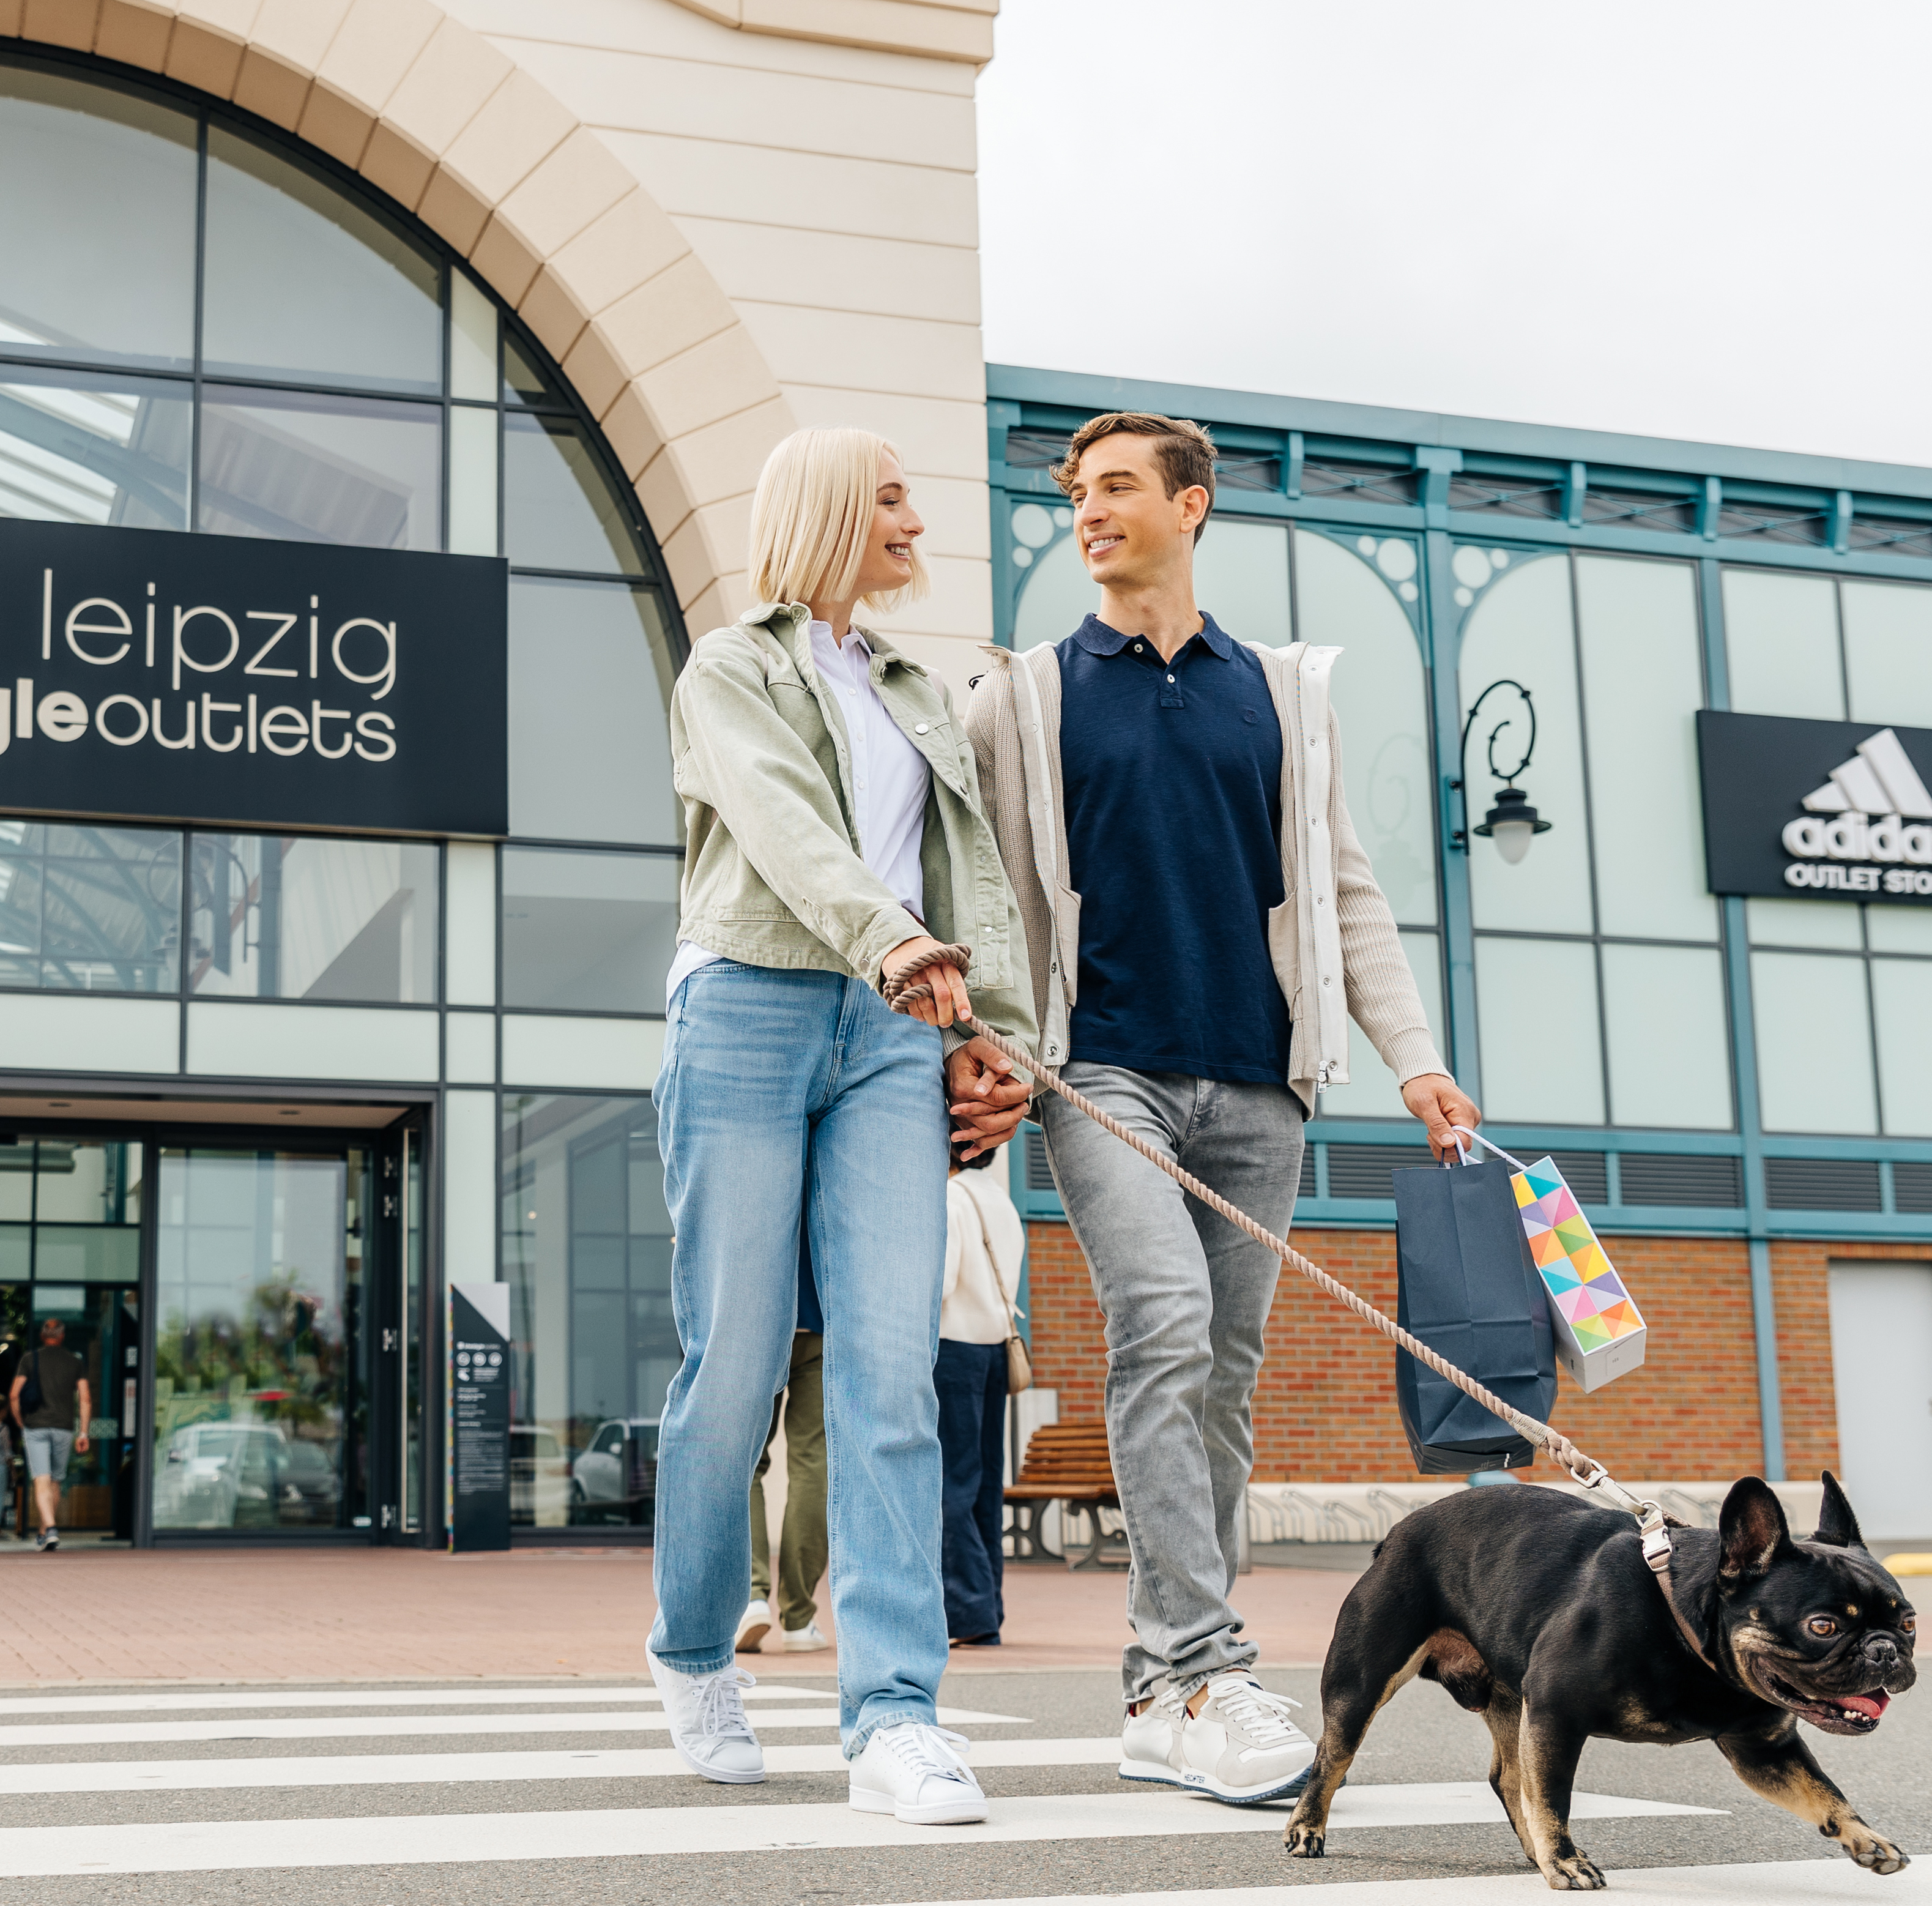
(1512, 823)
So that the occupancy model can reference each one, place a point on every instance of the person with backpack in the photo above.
(50, 1395)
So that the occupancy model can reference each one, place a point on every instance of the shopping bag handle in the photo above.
(1461, 1132)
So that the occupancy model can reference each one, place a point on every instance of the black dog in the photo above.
(1536, 1610)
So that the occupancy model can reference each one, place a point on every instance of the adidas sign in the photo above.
(1865, 829)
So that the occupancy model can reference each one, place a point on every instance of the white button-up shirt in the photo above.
(890, 781)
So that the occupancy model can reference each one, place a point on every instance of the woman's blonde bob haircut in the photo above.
(812, 517)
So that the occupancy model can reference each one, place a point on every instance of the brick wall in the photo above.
(1324, 1411)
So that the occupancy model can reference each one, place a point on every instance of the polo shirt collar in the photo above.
(1098, 637)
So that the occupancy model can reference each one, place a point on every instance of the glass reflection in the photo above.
(259, 1405)
(560, 511)
(315, 469)
(587, 1251)
(277, 917)
(305, 284)
(590, 680)
(97, 259)
(587, 931)
(97, 909)
(81, 448)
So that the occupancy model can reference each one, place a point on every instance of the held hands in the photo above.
(987, 1104)
(949, 997)
(1439, 1103)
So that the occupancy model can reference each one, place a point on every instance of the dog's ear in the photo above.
(1838, 1527)
(1751, 1530)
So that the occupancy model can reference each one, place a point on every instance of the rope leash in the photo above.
(901, 993)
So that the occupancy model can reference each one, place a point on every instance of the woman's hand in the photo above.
(948, 1001)
(986, 1101)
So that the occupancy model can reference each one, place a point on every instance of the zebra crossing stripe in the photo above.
(375, 1696)
(431, 1839)
(1806, 1882)
(407, 1769)
(129, 1733)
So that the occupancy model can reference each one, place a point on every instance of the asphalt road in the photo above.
(373, 1792)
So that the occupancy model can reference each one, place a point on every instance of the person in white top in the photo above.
(985, 1245)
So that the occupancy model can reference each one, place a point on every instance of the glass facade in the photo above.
(1597, 997)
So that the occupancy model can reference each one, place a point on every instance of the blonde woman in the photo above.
(835, 838)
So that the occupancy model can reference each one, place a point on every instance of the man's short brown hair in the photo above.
(1184, 450)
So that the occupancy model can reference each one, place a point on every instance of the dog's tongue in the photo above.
(1872, 1705)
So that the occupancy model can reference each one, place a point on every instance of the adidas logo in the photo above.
(1873, 800)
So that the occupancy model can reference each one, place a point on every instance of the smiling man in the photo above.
(1201, 924)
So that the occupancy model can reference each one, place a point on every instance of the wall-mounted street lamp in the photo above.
(1512, 823)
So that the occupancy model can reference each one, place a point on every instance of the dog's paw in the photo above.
(1574, 1873)
(1875, 1855)
(1303, 1842)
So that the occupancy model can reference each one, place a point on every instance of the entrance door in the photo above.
(1882, 1358)
(263, 1399)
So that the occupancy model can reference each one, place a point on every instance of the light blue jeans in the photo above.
(781, 1089)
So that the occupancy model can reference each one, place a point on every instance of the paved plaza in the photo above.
(372, 1727)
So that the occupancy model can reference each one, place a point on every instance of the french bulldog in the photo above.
(1536, 1610)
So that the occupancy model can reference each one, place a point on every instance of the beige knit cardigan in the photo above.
(1332, 939)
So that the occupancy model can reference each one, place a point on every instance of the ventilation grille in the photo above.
(1584, 1171)
(1639, 509)
(1822, 1184)
(1912, 1189)
(1369, 483)
(1773, 523)
(1363, 1171)
(1039, 1176)
(1896, 535)
(1035, 449)
(1658, 1178)
(1507, 496)
(1304, 1187)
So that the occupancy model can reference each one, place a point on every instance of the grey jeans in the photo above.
(1186, 1298)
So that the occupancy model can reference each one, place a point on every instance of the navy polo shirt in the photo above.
(1172, 773)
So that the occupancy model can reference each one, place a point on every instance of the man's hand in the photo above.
(1439, 1103)
(82, 1443)
(986, 1101)
(949, 997)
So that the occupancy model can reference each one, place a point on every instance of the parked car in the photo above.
(616, 1479)
(541, 1489)
(245, 1475)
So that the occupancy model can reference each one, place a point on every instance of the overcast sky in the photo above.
(1705, 220)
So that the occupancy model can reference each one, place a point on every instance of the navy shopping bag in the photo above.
(1468, 1287)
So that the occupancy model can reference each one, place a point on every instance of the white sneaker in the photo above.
(1147, 1739)
(1242, 1747)
(910, 1771)
(805, 1640)
(753, 1626)
(708, 1727)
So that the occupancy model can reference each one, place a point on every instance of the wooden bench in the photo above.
(1068, 1464)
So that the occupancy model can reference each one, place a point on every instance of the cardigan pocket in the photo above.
(1066, 935)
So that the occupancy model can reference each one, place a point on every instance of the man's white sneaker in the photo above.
(805, 1640)
(753, 1626)
(708, 1727)
(910, 1770)
(1242, 1747)
(1148, 1740)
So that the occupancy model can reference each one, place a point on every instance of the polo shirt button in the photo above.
(1170, 678)
(1137, 648)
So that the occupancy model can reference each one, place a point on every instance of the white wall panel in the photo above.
(617, 1056)
(469, 960)
(238, 1040)
(469, 1187)
(469, 1049)
(60, 1032)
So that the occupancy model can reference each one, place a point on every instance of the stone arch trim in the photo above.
(430, 113)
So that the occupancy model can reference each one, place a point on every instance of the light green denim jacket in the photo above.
(773, 874)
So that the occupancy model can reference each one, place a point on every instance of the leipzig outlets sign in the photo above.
(145, 674)
(1836, 809)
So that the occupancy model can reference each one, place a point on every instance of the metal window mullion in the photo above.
(1589, 837)
(1441, 655)
(200, 306)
